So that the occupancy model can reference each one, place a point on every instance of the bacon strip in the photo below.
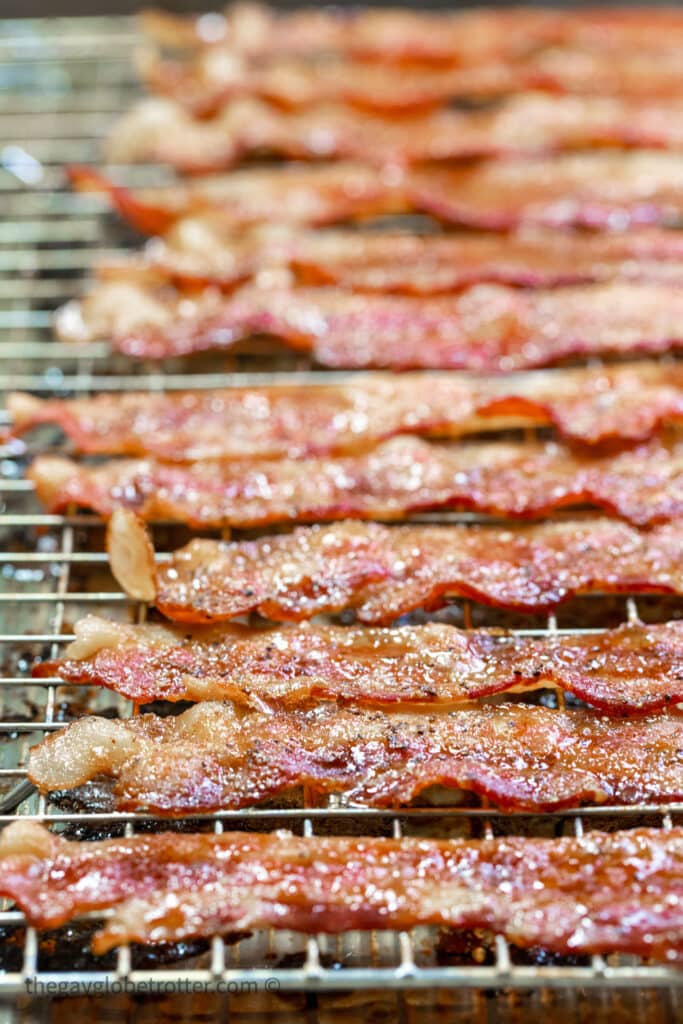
(204, 250)
(383, 572)
(646, 72)
(316, 195)
(437, 264)
(214, 77)
(401, 476)
(160, 130)
(594, 190)
(616, 404)
(634, 669)
(620, 891)
(213, 757)
(486, 328)
(590, 190)
(399, 35)
(394, 35)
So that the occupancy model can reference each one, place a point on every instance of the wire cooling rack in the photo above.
(62, 83)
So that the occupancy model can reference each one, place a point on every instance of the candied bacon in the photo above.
(399, 35)
(438, 58)
(485, 328)
(204, 85)
(645, 72)
(634, 669)
(432, 264)
(395, 35)
(599, 190)
(609, 189)
(161, 131)
(401, 476)
(214, 757)
(618, 404)
(212, 78)
(316, 194)
(203, 250)
(597, 893)
(383, 572)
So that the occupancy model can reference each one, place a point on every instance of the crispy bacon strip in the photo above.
(160, 130)
(643, 486)
(485, 328)
(619, 891)
(608, 189)
(383, 572)
(616, 404)
(213, 757)
(203, 250)
(649, 71)
(214, 77)
(394, 35)
(472, 54)
(317, 195)
(413, 264)
(634, 669)
(400, 35)
(596, 190)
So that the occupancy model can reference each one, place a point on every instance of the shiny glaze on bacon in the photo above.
(212, 78)
(601, 892)
(402, 36)
(485, 328)
(161, 131)
(204, 250)
(317, 194)
(214, 757)
(619, 404)
(610, 189)
(651, 72)
(204, 84)
(257, 32)
(634, 669)
(503, 52)
(383, 572)
(434, 264)
(405, 475)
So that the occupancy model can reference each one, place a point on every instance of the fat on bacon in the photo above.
(382, 572)
(616, 405)
(633, 669)
(214, 756)
(402, 476)
(597, 893)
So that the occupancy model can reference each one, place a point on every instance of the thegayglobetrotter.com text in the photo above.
(159, 986)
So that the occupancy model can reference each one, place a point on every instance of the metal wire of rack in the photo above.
(61, 82)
